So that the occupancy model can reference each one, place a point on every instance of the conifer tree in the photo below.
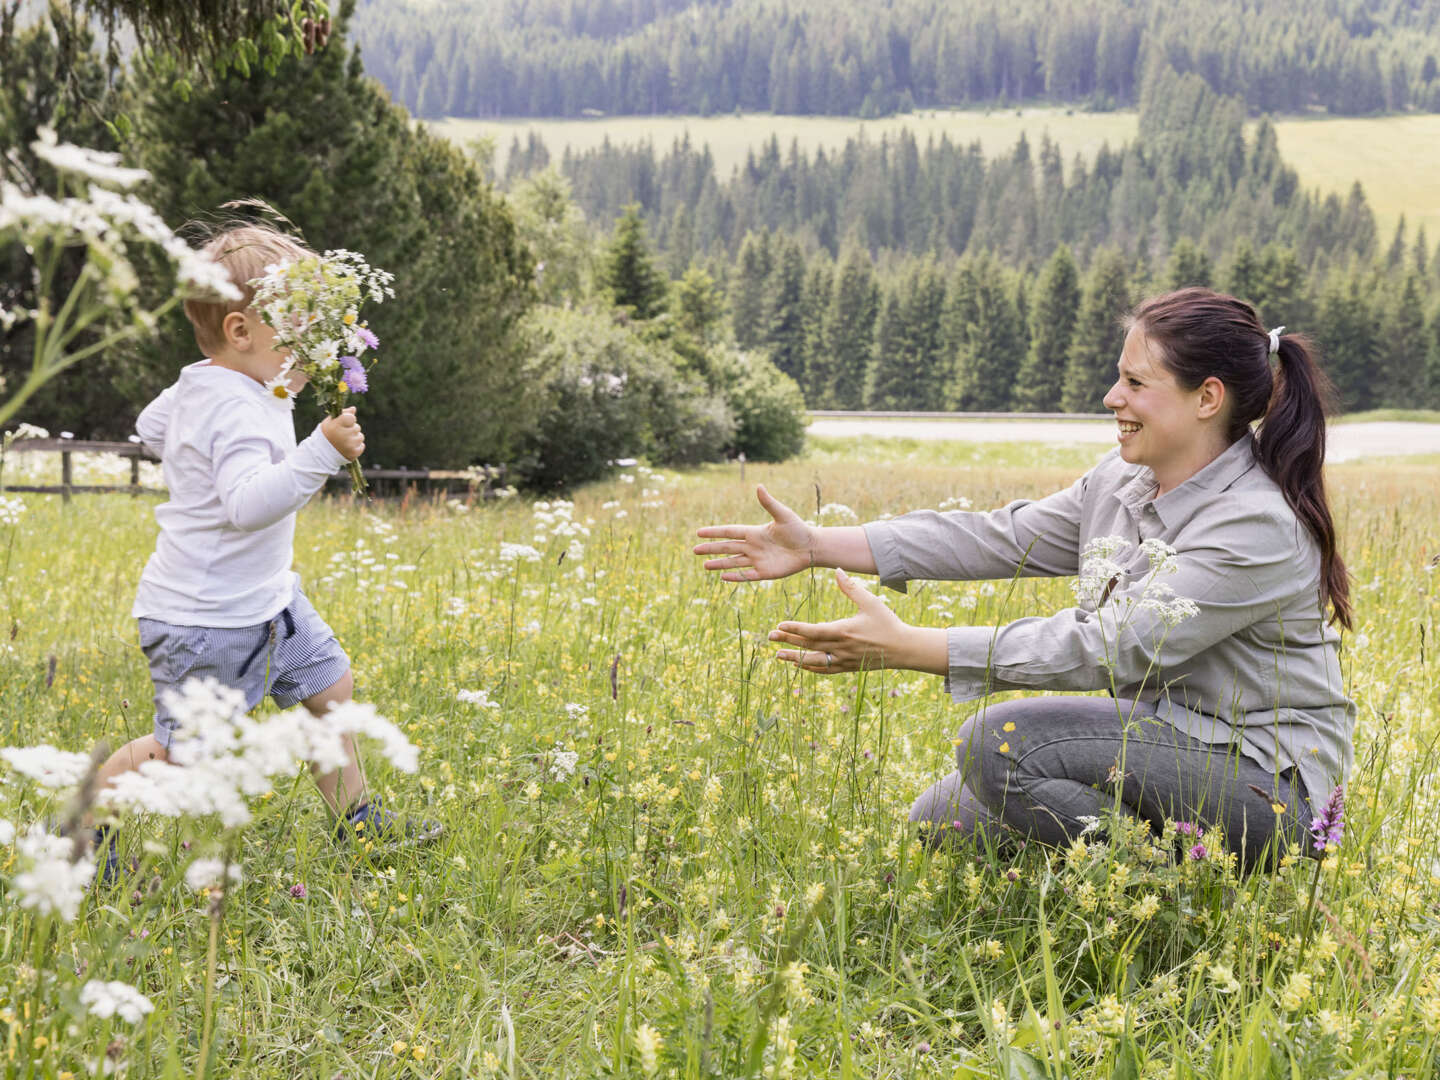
(1347, 328)
(815, 301)
(628, 269)
(699, 305)
(1241, 274)
(849, 329)
(1099, 334)
(1395, 257)
(784, 316)
(1281, 297)
(1404, 353)
(322, 143)
(1188, 265)
(911, 367)
(1055, 305)
(749, 289)
(1430, 398)
(987, 334)
(886, 383)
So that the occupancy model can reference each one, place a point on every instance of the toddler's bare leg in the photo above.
(345, 787)
(127, 759)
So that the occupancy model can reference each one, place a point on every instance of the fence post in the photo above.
(135, 473)
(66, 475)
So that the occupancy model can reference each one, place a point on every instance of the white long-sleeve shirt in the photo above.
(236, 477)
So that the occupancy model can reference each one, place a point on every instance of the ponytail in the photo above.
(1291, 448)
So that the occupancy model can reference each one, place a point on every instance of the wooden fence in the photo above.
(396, 480)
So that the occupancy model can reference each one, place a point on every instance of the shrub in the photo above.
(768, 406)
(605, 394)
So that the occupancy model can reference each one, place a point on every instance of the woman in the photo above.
(1233, 716)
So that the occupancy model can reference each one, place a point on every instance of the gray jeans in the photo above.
(1035, 766)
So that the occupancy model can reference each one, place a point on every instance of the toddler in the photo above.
(218, 597)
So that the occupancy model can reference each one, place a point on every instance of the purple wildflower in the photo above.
(1189, 828)
(355, 378)
(1329, 825)
(1198, 852)
(367, 335)
(298, 890)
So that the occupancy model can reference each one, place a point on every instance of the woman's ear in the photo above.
(1211, 401)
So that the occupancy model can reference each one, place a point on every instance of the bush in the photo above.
(605, 394)
(690, 424)
(768, 406)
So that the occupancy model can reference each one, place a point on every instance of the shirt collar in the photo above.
(1234, 462)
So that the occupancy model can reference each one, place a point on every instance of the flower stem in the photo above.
(335, 406)
(210, 959)
(1309, 916)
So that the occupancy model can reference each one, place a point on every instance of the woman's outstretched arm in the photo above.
(782, 546)
(873, 637)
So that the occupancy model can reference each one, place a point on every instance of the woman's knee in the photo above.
(985, 747)
(942, 803)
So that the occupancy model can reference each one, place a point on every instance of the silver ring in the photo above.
(829, 659)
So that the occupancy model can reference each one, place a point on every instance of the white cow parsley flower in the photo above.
(106, 999)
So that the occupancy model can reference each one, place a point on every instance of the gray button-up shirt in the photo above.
(1259, 661)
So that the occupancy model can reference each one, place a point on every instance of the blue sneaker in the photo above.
(109, 864)
(102, 844)
(369, 823)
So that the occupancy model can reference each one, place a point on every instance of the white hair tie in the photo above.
(1275, 338)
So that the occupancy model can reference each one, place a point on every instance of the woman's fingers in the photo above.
(816, 660)
(858, 594)
(829, 631)
(725, 532)
(791, 639)
(773, 506)
(723, 547)
(729, 562)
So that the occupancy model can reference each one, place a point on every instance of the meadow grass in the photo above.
(1395, 167)
(726, 885)
(1409, 416)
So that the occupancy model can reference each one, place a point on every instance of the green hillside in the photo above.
(1395, 158)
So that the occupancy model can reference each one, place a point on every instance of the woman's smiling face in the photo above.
(1162, 425)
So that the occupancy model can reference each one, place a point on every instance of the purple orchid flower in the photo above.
(1329, 825)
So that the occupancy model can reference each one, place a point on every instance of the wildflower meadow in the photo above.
(666, 854)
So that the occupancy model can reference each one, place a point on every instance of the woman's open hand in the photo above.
(874, 637)
(777, 549)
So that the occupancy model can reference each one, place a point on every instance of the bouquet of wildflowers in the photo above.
(313, 305)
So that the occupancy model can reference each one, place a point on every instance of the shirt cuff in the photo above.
(971, 673)
(319, 453)
(885, 550)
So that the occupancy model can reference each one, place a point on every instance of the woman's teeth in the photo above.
(1127, 428)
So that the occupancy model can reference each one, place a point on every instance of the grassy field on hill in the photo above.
(731, 137)
(1389, 155)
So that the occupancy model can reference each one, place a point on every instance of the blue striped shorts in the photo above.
(290, 657)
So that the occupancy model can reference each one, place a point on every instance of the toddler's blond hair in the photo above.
(244, 251)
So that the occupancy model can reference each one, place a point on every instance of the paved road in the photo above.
(1347, 441)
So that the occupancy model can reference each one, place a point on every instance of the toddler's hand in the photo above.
(344, 433)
